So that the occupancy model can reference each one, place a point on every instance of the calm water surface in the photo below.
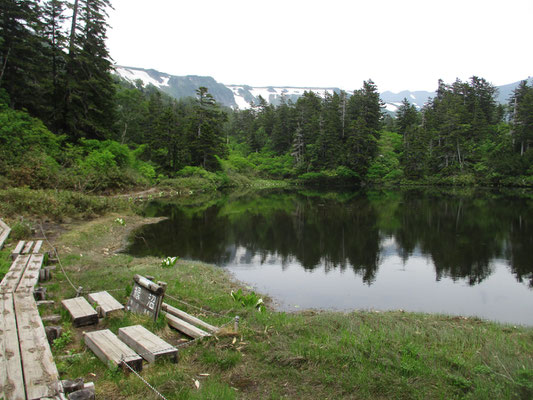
(453, 252)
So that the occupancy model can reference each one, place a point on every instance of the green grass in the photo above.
(275, 355)
(57, 204)
(5, 262)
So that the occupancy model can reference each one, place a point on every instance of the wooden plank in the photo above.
(149, 346)
(81, 311)
(37, 247)
(45, 302)
(185, 327)
(188, 318)
(11, 380)
(111, 350)
(12, 278)
(30, 278)
(18, 249)
(27, 247)
(107, 302)
(40, 373)
(4, 233)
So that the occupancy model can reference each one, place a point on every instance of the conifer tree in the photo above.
(521, 106)
(89, 108)
(206, 134)
(406, 117)
(22, 55)
(53, 18)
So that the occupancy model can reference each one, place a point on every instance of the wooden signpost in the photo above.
(146, 297)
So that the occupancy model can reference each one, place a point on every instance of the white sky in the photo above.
(402, 44)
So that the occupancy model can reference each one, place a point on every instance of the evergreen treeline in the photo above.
(462, 136)
(66, 122)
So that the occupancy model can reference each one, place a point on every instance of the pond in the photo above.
(460, 252)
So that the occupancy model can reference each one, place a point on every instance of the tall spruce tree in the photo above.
(521, 106)
(88, 107)
(206, 136)
(22, 55)
(53, 18)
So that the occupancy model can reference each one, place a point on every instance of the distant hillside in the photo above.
(243, 96)
(505, 91)
(178, 86)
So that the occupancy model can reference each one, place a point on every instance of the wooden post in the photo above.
(188, 318)
(147, 284)
(236, 324)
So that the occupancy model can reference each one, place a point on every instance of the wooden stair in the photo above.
(81, 312)
(107, 303)
(111, 350)
(148, 345)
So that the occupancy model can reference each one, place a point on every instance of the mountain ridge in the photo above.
(244, 96)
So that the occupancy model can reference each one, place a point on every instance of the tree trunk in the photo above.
(4, 66)
(124, 133)
(73, 28)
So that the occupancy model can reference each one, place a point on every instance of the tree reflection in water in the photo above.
(461, 231)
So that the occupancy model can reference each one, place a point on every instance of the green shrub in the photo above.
(20, 230)
(56, 204)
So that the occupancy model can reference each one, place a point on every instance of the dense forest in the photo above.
(67, 122)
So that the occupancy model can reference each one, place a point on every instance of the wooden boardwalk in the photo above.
(4, 233)
(31, 247)
(27, 368)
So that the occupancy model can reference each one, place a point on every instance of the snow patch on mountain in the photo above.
(133, 74)
(245, 96)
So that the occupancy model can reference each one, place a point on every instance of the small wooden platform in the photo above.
(110, 349)
(106, 302)
(40, 372)
(149, 346)
(81, 311)
(188, 318)
(4, 233)
(11, 381)
(185, 327)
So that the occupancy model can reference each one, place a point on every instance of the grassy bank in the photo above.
(361, 355)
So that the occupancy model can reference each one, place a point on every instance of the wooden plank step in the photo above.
(40, 372)
(18, 250)
(30, 278)
(27, 247)
(11, 380)
(37, 247)
(12, 278)
(111, 350)
(188, 318)
(107, 303)
(185, 327)
(148, 345)
(81, 311)
(4, 233)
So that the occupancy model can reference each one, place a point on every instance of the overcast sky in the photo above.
(402, 44)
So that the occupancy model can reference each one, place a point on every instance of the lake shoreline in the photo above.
(308, 354)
